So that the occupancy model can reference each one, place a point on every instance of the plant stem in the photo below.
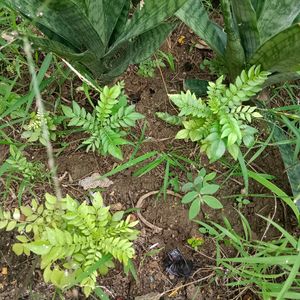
(41, 110)
(234, 52)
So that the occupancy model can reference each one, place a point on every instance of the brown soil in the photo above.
(150, 96)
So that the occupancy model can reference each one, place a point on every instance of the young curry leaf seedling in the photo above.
(108, 123)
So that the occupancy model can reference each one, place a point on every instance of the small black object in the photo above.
(177, 265)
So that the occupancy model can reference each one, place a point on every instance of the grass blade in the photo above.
(276, 190)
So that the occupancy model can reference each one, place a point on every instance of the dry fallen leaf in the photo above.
(4, 271)
(94, 181)
(181, 40)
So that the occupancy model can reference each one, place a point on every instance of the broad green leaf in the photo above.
(194, 15)
(258, 6)
(276, 16)
(234, 151)
(217, 149)
(194, 209)
(22, 238)
(101, 294)
(196, 86)
(16, 214)
(209, 189)
(3, 224)
(47, 273)
(234, 57)
(18, 248)
(56, 277)
(118, 216)
(11, 225)
(189, 197)
(212, 202)
(121, 24)
(26, 211)
(67, 111)
(281, 52)
(38, 247)
(182, 134)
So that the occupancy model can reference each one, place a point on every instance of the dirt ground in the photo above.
(24, 280)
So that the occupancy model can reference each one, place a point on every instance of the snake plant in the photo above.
(257, 32)
(102, 36)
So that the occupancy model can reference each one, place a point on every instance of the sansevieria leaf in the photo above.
(194, 14)
(150, 15)
(247, 25)
(281, 52)
(276, 16)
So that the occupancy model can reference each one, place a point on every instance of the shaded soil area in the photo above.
(20, 277)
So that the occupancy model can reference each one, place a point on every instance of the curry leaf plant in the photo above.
(219, 123)
(71, 238)
(102, 36)
(107, 123)
(200, 192)
(264, 32)
(18, 163)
